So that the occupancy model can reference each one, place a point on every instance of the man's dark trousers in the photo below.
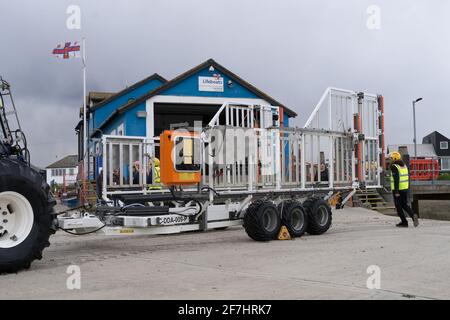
(401, 203)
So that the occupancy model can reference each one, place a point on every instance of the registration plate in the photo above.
(169, 220)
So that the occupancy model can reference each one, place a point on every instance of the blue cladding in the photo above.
(190, 87)
(134, 126)
(285, 119)
(105, 111)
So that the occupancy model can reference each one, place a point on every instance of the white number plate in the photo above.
(169, 220)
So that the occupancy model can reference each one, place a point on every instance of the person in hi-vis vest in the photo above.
(155, 174)
(399, 187)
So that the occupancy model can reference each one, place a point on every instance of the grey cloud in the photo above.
(292, 50)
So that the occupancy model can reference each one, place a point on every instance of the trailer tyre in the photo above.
(26, 216)
(294, 217)
(319, 215)
(262, 221)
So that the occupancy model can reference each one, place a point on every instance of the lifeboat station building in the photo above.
(153, 104)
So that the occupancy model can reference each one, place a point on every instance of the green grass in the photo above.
(444, 176)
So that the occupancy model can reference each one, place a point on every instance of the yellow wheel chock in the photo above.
(284, 234)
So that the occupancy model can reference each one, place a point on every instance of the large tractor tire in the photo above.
(262, 221)
(319, 215)
(26, 215)
(294, 217)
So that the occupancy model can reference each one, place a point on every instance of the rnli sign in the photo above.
(214, 84)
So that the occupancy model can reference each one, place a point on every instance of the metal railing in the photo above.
(247, 152)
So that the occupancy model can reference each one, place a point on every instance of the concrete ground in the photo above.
(414, 263)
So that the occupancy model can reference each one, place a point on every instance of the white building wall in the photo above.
(57, 175)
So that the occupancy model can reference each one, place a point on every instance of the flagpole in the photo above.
(85, 128)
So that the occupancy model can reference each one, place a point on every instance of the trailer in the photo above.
(242, 168)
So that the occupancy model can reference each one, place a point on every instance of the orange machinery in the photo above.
(180, 157)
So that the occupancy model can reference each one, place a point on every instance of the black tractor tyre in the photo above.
(319, 215)
(294, 217)
(19, 181)
(262, 221)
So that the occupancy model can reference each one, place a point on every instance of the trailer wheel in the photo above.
(294, 217)
(262, 221)
(319, 215)
(26, 215)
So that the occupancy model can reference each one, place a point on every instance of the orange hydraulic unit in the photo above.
(180, 158)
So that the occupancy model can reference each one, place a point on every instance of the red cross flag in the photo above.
(67, 50)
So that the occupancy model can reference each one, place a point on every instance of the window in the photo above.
(71, 171)
(58, 172)
(187, 154)
(98, 149)
(444, 145)
(121, 129)
(445, 164)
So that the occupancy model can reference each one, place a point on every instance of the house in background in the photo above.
(424, 151)
(441, 147)
(63, 171)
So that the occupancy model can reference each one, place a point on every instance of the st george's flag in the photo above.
(67, 50)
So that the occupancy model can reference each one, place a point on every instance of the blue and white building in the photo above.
(151, 105)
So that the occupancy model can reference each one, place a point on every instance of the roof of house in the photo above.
(435, 133)
(78, 126)
(185, 75)
(66, 162)
(128, 89)
(97, 96)
(423, 150)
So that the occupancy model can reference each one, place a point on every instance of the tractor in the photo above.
(27, 217)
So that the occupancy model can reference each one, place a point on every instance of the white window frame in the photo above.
(447, 161)
(121, 129)
(443, 143)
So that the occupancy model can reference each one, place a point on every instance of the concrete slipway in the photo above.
(414, 263)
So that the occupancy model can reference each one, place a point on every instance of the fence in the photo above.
(424, 169)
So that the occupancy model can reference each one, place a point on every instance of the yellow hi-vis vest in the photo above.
(156, 183)
(403, 183)
(157, 175)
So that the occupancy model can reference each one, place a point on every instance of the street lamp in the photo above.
(414, 117)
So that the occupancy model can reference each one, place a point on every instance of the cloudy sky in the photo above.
(292, 50)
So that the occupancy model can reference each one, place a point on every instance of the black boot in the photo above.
(402, 225)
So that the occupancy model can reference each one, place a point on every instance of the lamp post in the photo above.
(414, 118)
